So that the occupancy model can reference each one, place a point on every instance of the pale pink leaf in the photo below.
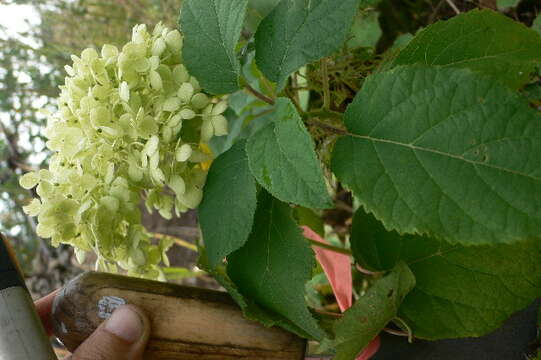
(337, 267)
(370, 350)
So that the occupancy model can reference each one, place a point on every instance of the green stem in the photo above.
(329, 247)
(325, 114)
(257, 94)
(326, 87)
(327, 127)
(329, 314)
(405, 326)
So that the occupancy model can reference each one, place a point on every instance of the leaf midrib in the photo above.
(220, 40)
(296, 33)
(223, 40)
(442, 153)
(310, 184)
(288, 43)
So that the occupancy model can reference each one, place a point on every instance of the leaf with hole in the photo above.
(445, 152)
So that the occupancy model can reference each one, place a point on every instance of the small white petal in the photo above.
(207, 131)
(219, 108)
(155, 80)
(174, 40)
(187, 114)
(158, 47)
(183, 153)
(185, 92)
(220, 125)
(124, 91)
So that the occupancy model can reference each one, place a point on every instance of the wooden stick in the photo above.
(187, 323)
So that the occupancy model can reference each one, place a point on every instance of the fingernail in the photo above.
(126, 324)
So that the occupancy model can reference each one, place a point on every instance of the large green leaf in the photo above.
(250, 309)
(298, 32)
(283, 160)
(481, 40)
(445, 152)
(211, 31)
(460, 291)
(369, 315)
(275, 263)
(227, 211)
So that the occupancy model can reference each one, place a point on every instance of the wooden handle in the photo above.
(187, 323)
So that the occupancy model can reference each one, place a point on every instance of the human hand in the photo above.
(122, 337)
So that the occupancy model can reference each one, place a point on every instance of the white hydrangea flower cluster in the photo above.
(131, 124)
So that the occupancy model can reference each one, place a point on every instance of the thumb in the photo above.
(122, 337)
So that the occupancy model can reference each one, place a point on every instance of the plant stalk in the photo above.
(329, 247)
(258, 95)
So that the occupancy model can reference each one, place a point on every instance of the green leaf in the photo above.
(365, 31)
(309, 218)
(445, 152)
(275, 263)
(369, 315)
(536, 25)
(483, 41)
(298, 32)
(262, 7)
(227, 211)
(363, 4)
(250, 309)
(283, 160)
(211, 31)
(401, 41)
(460, 291)
(257, 11)
(506, 4)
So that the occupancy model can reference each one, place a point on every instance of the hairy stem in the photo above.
(327, 127)
(326, 87)
(396, 332)
(326, 114)
(258, 95)
(329, 314)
